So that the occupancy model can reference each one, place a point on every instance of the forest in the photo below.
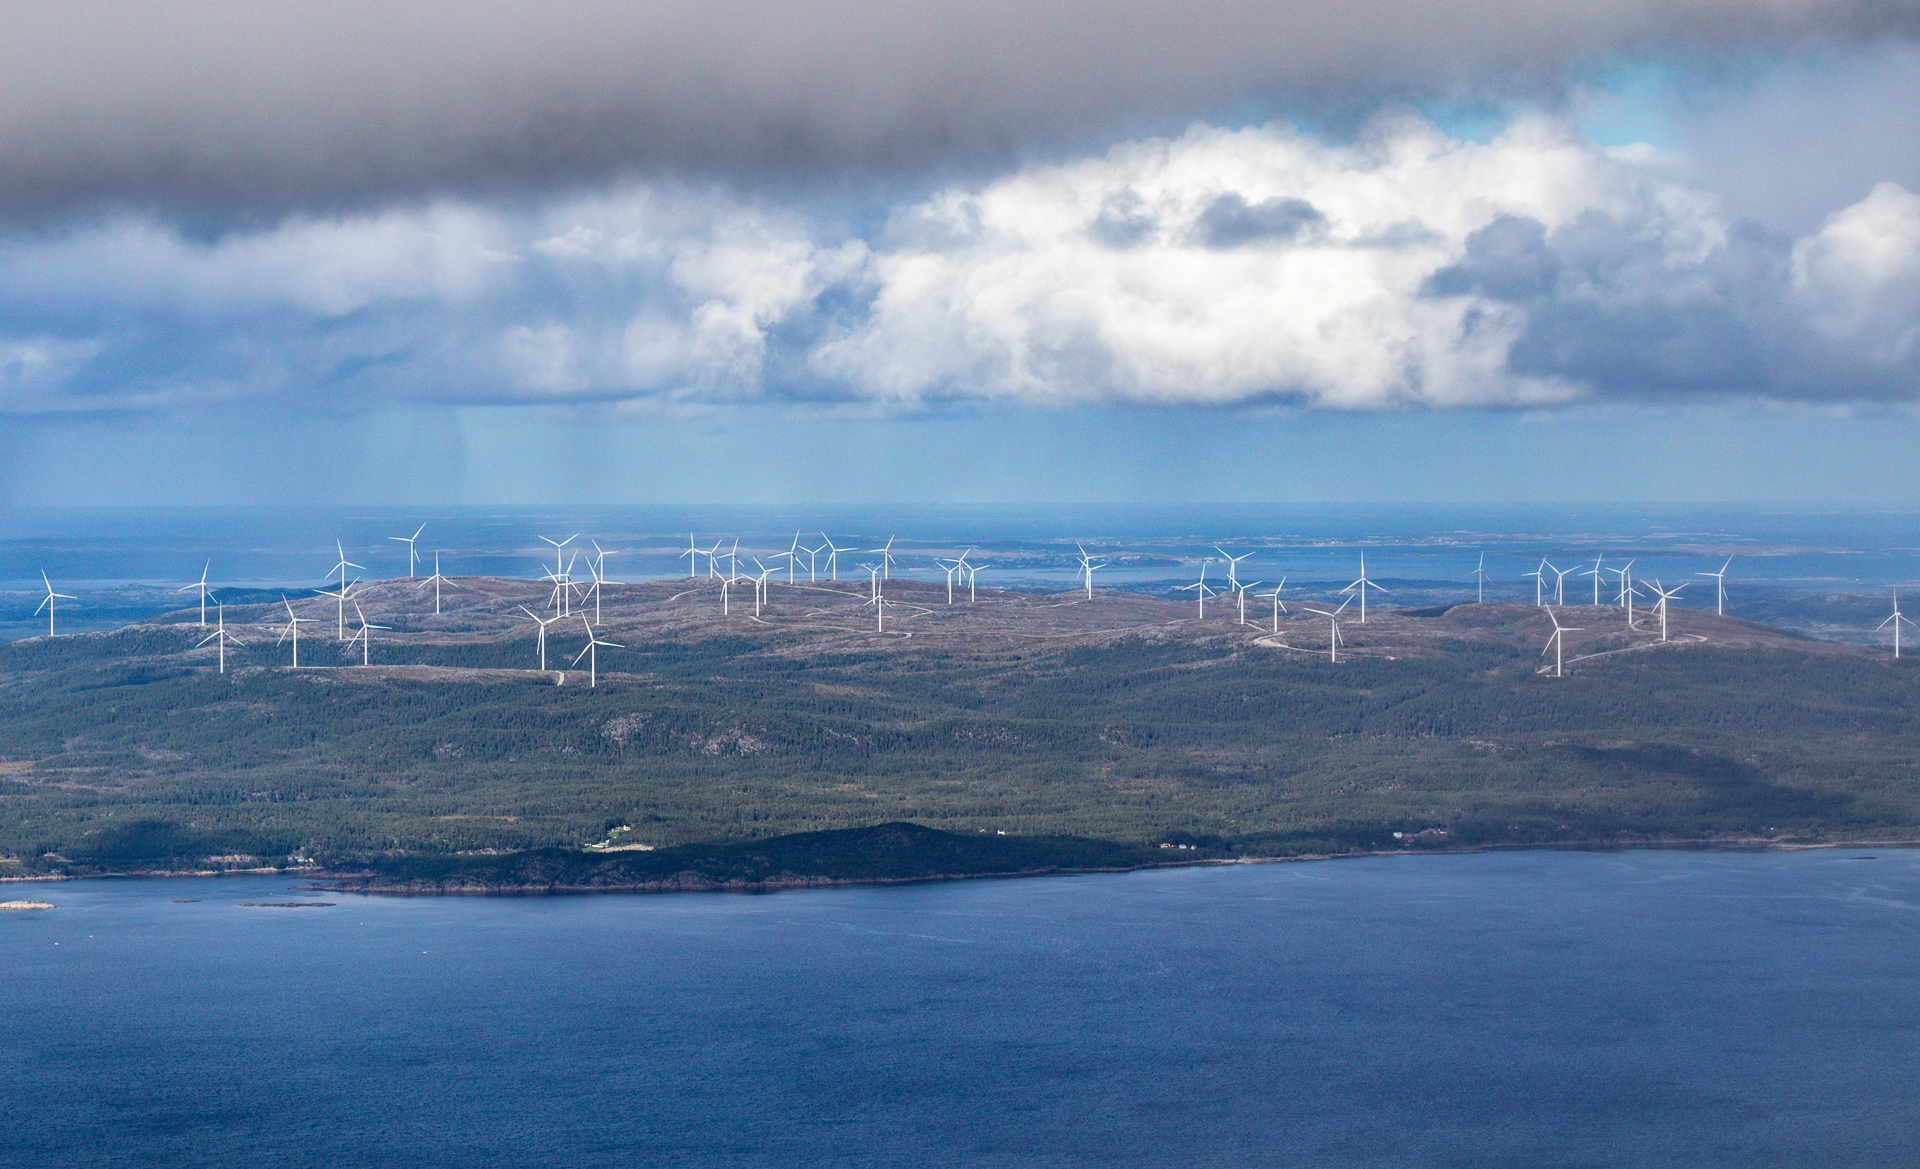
(127, 751)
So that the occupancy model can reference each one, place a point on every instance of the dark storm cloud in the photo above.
(231, 108)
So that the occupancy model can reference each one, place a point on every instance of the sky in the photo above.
(836, 251)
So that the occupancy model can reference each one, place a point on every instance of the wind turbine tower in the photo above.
(542, 622)
(593, 657)
(363, 636)
(1333, 627)
(293, 630)
(1480, 575)
(222, 636)
(1201, 591)
(1278, 606)
(1361, 586)
(47, 604)
(1896, 620)
(1719, 588)
(413, 553)
(1557, 643)
(1665, 596)
(202, 586)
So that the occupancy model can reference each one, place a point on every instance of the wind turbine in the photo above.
(202, 586)
(879, 604)
(873, 581)
(833, 557)
(48, 603)
(952, 566)
(793, 555)
(1560, 585)
(542, 622)
(1626, 584)
(222, 636)
(413, 554)
(813, 574)
(1595, 573)
(1665, 596)
(1333, 627)
(293, 629)
(886, 557)
(435, 580)
(1202, 590)
(1233, 567)
(969, 570)
(599, 577)
(340, 598)
(557, 545)
(713, 558)
(341, 568)
(590, 653)
(1539, 576)
(1361, 586)
(1089, 567)
(1720, 588)
(693, 555)
(1243, 599)
(1556, 643)
(1896, 620)
(1480, 572)
(760, 587)
(1279, 607)
(362, 636)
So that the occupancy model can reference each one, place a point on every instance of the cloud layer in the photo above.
(221, 109)
(1220, 267)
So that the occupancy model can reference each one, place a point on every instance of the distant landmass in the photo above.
(1091, 731)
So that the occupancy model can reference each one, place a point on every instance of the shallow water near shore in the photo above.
(1523, 1009)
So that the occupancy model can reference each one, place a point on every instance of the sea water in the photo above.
(1511, 1009)
(1811, 549)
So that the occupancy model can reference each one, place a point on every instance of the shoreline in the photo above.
(689, 882)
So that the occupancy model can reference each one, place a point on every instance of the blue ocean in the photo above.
(1531, 1009)
(1809, 549)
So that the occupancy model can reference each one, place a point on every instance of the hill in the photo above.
(1120, 718)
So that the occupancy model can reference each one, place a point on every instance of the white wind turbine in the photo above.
(886, 558)
(413, 554)
(558, 567)
(1361, 586)
(1279, 606)
(1896, 620)
(1233, 567)
(201, 584)
(1242, 594)
(1333, 627)
(340, 596)
(879, 603)
(969, 570)
(713, 559)
(1720, 588)
(599, 564)
(1088, 568)
(1480, 574)
(47, 604)
(362, 636)
(952, 566)
(1539, 576)
(1557, 643)
(542, 622)
(1665, 596)
(760, 587)
(1560, 585)
(293, 630)
(733, 558)
(436, 580)
(1595, 572)
(793, 555)
(341, 568)
(693, 555)
(592, 655)
(813, 574)
(222, 636)
(1201, 591)
(873, 581)
(833, 557)
(1627, 592)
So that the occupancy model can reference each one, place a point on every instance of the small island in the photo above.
(26, 905)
